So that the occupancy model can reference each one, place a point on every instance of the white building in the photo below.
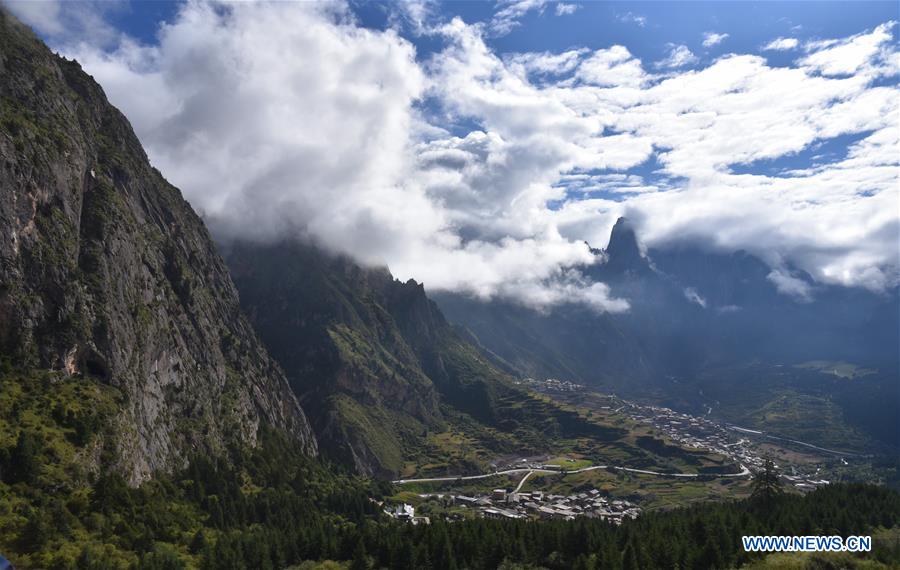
(403, 512)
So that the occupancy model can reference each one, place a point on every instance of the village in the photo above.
(534, 505)
(739, 444)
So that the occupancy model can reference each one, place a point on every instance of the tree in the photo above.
(37, 532)
(25, 461)
(711, 554)
(360, 558)
(767, 483)
(630, 557)
(162, 558)
(198, 542)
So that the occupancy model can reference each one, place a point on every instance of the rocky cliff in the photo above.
(106, 272)
(385, 378)
(330, 324)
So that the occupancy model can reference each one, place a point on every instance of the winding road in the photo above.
(795, 441)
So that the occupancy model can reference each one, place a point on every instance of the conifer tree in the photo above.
(767, 483)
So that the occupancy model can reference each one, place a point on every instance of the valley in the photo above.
(731, 455)
(804, 465)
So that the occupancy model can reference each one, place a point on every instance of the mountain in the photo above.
(706, 330)
(108, 277)
(329, 323)
(389, 384)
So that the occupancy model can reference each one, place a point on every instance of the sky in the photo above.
(479, 146)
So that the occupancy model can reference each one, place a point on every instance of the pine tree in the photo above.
(198, 542)
(767, 483)
(360, 558)
(630, 558)
(25, 461)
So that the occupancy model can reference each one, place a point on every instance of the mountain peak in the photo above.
(623, 249)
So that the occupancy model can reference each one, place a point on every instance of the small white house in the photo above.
(403, 512)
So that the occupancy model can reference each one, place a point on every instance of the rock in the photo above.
(106, 271)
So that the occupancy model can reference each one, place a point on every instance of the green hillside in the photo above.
(272, 507)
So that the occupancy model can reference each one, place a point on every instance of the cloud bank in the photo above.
(483, 172)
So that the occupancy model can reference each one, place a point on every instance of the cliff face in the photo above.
(105, 271)
(374, 361)
(333, 326)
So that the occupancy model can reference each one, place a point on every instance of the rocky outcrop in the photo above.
(106, 271)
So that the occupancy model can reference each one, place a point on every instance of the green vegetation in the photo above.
(651, 492)
(806, 403)
(807, 418)
(570, 463)
(375, 429)
(62, 506)
(767, 483)
(839, 369)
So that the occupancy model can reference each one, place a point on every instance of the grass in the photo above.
(838, 369)
(649, 491)
(809, 418)
(570, 463)
(374, 426)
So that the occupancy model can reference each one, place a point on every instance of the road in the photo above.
(529, 471)
(522, 482)
(798, 442)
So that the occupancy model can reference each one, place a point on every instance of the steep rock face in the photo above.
(106, 271)
(623, 252)
(338, 331)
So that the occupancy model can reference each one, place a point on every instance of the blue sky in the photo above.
(645, 27)
(476, 145)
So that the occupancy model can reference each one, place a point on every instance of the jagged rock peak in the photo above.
(623, 244)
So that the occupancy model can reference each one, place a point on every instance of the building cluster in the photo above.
(501, 504)
(550, 385)
(406, 513)
(701, 433)
(804, 482)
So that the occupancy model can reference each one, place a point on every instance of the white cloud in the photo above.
(867, 52)
(546, 63)
(68, 21)
(506, 19)
(614, 66)
(267, 143)
(711, 39)
(632, 18)
(782, 44)
(288, 118)
(45, 17)
(564, 9)
(419, 14)
(679, 56)
(790, 285)
(693, 296)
